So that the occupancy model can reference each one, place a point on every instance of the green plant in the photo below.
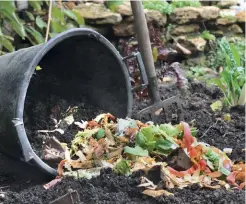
(216, 58)
(31, 25)
(8, 16)
(207, 35)
(161, 6)
(196, 72)
(180, 4)
(64, 19)
(232, 79)
(112, 5)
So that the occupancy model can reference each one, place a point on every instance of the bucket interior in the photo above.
(79, 71)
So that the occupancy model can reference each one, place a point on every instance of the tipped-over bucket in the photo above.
(75, 64)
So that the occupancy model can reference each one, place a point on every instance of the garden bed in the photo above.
(112, 188)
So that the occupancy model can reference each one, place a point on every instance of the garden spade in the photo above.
(143, 39)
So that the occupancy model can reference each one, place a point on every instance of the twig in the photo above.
(49, 20)
(209, 128)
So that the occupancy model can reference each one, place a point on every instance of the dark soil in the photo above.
(111, 188)
(40, 115)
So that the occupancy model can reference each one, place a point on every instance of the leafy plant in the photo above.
(64, 19)
(8, 13)
(6, 41)
(232, 78)
(31, 25)
(196, 72)
(161, 6)
(207, 35)
(216, 57)
(180, 4)
(167, 8)
(112, 5)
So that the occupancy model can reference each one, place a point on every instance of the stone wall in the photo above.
(185, 25)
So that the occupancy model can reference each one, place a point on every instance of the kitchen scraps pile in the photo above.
(169, 155)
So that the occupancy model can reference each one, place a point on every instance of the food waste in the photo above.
(170, 156)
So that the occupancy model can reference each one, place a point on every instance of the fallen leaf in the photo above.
(216, 106)
(157, 193)
(38, 68)
(109, 136)
(143, 163)
(115, 153)
(123, 139)
(227, 117)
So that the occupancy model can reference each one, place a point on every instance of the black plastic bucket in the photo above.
(75, 54)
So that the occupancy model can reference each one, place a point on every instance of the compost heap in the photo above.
(169, 155)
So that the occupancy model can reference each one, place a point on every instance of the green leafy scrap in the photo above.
(137, 151)
(170, 129)
(122, 167)
(213, 158)
(100, 134)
